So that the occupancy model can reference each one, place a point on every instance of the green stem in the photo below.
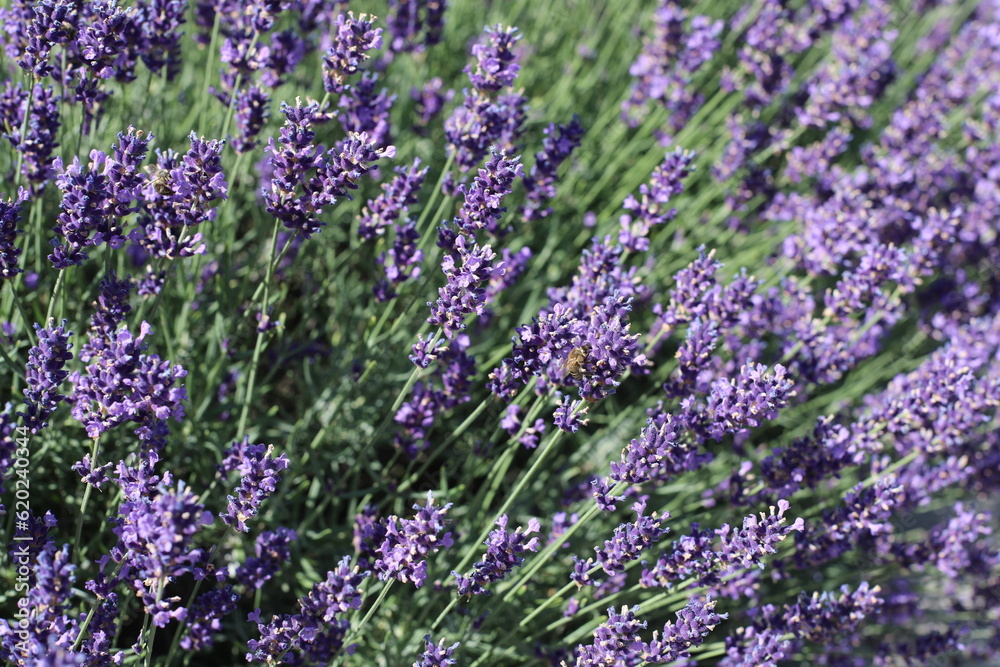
(55, 295)
(86, 497)
(259, 345)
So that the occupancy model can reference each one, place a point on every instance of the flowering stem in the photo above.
(205, 94)
(86, 497)
(356, 631)
(435, 193)
(444, 612)
(544, 556)
(161, 584)
(259, 345)
(55, 295)
(546, 449)
(19, 158)
(175, 642)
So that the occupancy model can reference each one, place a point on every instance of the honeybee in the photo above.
(160, 180)
(576, 361)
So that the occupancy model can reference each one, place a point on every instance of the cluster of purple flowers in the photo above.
(304, 177)
(488, 118)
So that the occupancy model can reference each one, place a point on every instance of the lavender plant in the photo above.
(585, 334)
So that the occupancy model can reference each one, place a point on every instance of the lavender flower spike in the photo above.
(436, 655)
(352, 39)
(481, 208)
(258, 468)
(402, 554)
(503, 554)
(46, 371)
(465, 292)
(10, 217)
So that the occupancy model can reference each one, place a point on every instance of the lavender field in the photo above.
(474, 333)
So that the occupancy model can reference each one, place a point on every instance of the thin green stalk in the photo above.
(55, 295)
(86, 497)
(161, 584)
(259, 345)
(19, 158)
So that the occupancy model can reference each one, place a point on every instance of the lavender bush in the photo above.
(570, 334)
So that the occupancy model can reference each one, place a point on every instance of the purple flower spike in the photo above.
(664, 184)
(364, 107)
(670, 58)
(495, 61)
(258, 470)
(503, 554)
(746, 401)
(45, 372)
(693, 623)
(436, 655)
(46, 29)
(465, 292)
(397, 196)
(539, 185)
(415, 24)
(304, 179)
(102, 38)
(481, 207)
(204, 617)
(402, 554)
(252, 111)
(157, 534)
(160, 21)
(616, 641)
(352, 40)
(316, 634)
(10, 218)
(41, 131)
(273, 550)
(122, 384)
(629, 541)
